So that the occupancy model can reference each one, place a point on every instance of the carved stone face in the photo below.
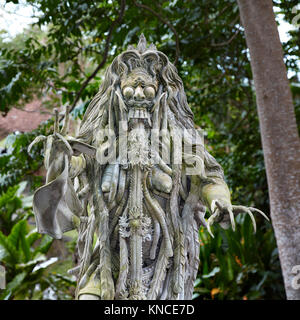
(139, 91)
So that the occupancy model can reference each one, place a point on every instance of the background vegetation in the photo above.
(63, 57)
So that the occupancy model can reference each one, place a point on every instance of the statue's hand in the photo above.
(223, 212)
(57, 141)
(56, 148)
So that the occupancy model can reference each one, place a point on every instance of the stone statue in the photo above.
(135, 183)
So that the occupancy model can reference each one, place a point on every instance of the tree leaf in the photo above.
(13, 285)
(23, 241)
(44, 245)
(214, 271)
(32, 237)
(11, 253)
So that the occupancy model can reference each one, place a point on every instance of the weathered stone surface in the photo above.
(138, 176)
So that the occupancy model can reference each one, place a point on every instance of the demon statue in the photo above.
(135, 183)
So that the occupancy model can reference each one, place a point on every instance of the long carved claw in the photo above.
(252, 218)
(219, 209)
(214, 205)
(231, 215)
(254, 209)
(249, 210)
(65, 142)
(35, 141)
(65, 127)
(210, 222)
(56, 122)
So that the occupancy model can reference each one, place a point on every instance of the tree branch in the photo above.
(105, 54)
(219, 13)
(225, 43)
(143, 6)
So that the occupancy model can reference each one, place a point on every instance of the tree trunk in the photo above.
(279, 133)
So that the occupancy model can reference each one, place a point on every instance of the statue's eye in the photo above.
(149, 92)
(128, 92)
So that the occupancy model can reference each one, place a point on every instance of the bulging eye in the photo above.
(149, 92)
(128, 92)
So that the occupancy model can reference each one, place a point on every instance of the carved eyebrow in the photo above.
(139, 81)
(135, 82)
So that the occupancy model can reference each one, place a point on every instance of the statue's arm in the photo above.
(213, 186)
(218, 190)
(216, 195)
(56, 205)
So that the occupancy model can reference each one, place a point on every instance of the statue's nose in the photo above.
(139, 93)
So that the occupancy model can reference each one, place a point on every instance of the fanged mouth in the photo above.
(139, 104)
(140, 110)
(141, 114)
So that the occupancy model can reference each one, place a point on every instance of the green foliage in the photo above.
(14, 207)
(239, 265)
(15, 162)
(23, 253)
(9, 203)
(213, 61)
